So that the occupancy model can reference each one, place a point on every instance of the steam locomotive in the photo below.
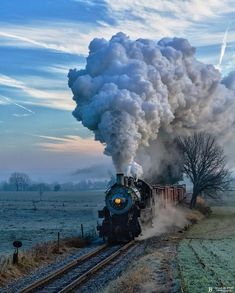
(131, 204)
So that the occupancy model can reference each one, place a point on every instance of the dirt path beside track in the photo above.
(155, 271)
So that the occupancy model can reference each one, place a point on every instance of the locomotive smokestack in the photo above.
(120, 179)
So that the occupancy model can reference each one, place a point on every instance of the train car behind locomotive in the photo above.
(130, 204)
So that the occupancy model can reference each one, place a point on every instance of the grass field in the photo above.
(26, 217)
(207, 254)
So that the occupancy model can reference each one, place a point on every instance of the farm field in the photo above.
(24, 217)
(207, 255)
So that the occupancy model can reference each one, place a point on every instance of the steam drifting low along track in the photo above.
(78, 271)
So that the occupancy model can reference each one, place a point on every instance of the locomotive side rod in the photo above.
(81, 279)
(42, 282)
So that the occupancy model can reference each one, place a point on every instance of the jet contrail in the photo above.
(223, 48)
(10, 101)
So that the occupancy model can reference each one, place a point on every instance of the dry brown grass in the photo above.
(76, 242)
(130, 282)
(193, 216)
(204, 209)
(201, 200)
(39, 255)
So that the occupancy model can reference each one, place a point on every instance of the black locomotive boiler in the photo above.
(130, 204)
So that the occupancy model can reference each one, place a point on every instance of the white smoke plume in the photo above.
(132, 92)
(171, 217)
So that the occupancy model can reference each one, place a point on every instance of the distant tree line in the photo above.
(21, 182)
(201, 160)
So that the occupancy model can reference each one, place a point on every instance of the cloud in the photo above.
(147, 19)
(36, 43)
(198, 21)
(21, 115)
(167, 18)
(95, 170)
(59, 99)
(71, 144)
(51, 46)
(49, 157)
(89, 2)
(193, 10)
(88, 170)
(58, 68)
(62, 36)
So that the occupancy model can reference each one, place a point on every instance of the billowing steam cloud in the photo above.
(133, 94)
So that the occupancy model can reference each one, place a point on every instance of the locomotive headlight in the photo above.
(117, 200)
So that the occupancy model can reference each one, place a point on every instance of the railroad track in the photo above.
(75, 273)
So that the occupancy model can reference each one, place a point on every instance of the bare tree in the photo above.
(204, 164)
(19, 180)
(57, 187)
(41, 189)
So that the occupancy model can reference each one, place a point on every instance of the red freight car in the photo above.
(169, 194)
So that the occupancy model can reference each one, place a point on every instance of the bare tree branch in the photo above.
(19, 180)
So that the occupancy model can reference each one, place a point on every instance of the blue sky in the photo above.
(41, 40)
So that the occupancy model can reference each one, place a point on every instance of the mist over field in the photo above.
(33, 219)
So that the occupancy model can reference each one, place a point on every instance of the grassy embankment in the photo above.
(207, 254)
(156, 269)
(40, 255)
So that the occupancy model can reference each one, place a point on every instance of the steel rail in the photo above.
(81, 279)
(61, 271)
